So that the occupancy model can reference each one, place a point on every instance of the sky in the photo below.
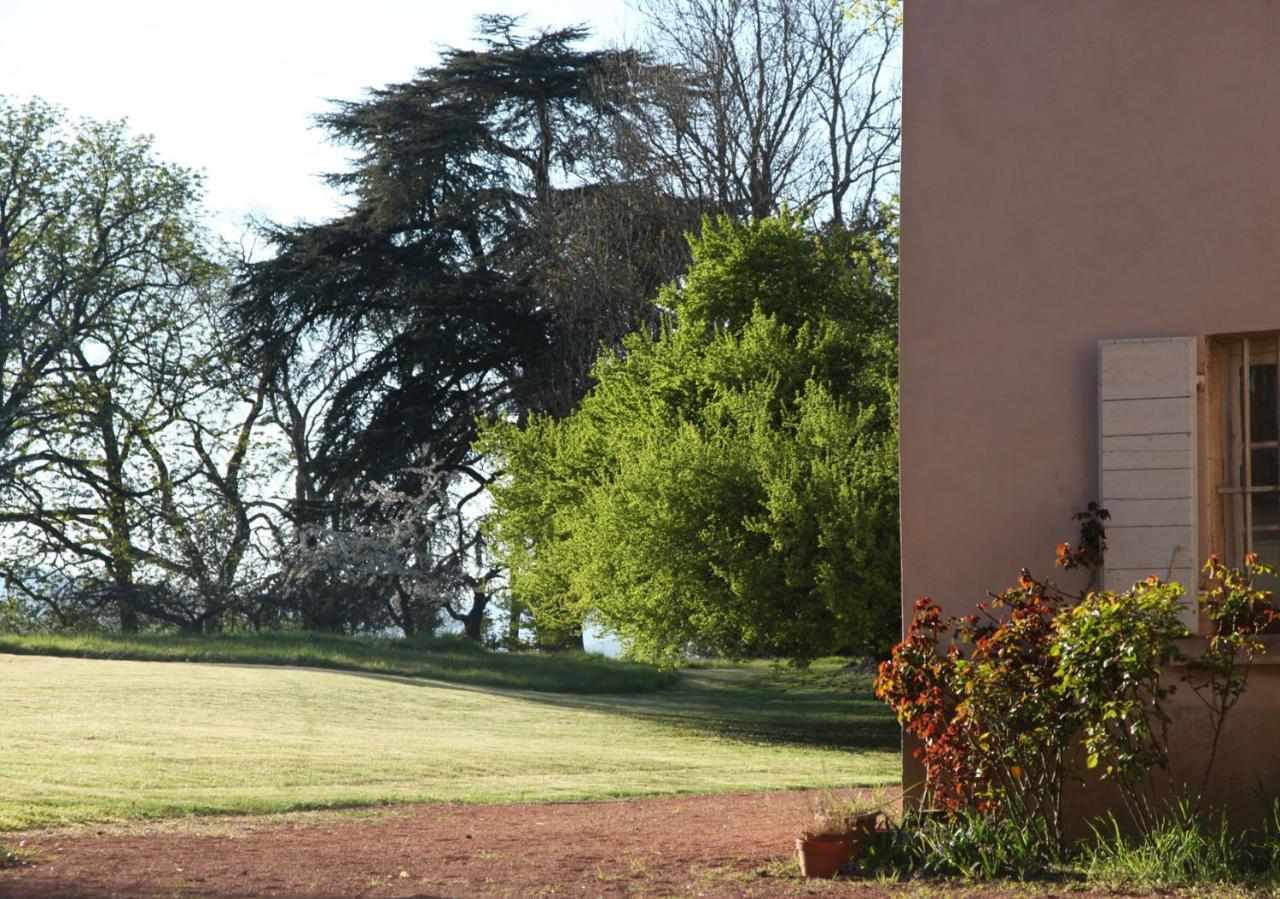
(231, 87)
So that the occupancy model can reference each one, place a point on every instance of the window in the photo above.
(1250, 487)
(1189, 455)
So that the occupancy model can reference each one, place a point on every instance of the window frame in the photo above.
(1227, 447)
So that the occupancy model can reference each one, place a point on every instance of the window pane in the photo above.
(1262, 402)
(1267, 546)
(1266, 473)
(1266, 511)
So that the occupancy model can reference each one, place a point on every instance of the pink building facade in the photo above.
(1090, 300)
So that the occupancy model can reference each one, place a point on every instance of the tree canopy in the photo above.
(439, 271)
(464, 282)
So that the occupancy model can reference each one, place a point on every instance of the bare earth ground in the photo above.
(717, 846)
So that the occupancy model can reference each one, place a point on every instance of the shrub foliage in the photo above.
(729, 485)
(1042, 686)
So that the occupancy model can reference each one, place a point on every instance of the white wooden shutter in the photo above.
(1147, 428)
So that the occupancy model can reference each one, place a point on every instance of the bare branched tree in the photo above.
(858, 100)
(418, 550)
(771, 102)
(89, 220)
(124, 445)
(610, 247)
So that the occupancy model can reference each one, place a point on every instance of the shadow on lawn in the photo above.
(833, 710)
(826, 705)
(829, 708)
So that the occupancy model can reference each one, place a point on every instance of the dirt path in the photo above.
(730, 845)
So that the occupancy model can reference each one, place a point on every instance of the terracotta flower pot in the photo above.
(823, 855)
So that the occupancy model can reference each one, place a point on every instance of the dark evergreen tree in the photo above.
(477, 201)
(441, 271)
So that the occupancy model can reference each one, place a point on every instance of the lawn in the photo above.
(110, 739)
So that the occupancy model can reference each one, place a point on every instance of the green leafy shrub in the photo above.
(1113, 654)
(1112, 650)
(1005, 703)
(1023, 722)
(995, 699)
(730, 485)
(997, 726)
(990, 713)
(1238, 612)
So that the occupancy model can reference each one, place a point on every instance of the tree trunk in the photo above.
(121, 535)
(128, 616)
(473, 621)
(212, 624)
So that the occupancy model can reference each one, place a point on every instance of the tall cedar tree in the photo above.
(438, 272)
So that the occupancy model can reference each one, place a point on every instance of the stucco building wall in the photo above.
(1073, 171)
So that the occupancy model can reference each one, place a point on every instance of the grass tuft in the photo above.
(15, 858)
(1182, 849)
(1184, 852)
(969, 845)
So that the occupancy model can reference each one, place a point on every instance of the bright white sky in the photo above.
(230, 87)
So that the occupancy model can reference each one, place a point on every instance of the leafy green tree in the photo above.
(89, 219)
(101, 254)
(730, 486)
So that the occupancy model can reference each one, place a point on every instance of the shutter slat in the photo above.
(1144, 460)
(1158, 512)
(1157, 548)
(1160, 483)
(1146, 443)
(1145, 369)
(1158, 415)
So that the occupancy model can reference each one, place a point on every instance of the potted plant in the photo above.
(838, 831)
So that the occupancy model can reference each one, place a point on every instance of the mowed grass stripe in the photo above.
(91, 740)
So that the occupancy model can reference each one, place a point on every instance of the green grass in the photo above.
(95, 740)
(455, 659)
(1184, 851)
